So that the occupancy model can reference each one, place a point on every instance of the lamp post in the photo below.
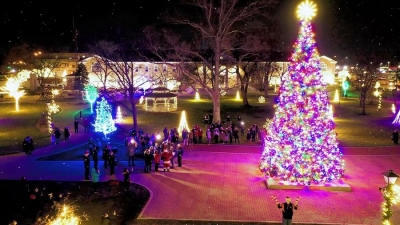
(391, 195)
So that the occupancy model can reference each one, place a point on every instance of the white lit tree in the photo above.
(118, 118)
(12, 88)
(91, 94)
(104, 122)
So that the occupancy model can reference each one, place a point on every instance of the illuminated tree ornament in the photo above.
(237, 96)
(119, 115)
(104, 122)
(306, 10)
(12, 88)
(91, 95)
(301, 145)
(183, 123)
(336, 98)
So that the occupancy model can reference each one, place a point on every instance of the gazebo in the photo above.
(160, 96)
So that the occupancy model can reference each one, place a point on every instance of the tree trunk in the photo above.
(266, 85)
(134, 113)
(243, 90)
(216, 108)
(363, 98)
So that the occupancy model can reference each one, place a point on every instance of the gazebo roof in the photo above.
(160, 92)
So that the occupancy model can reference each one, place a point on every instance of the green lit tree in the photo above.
(91, 94)
(104, 122)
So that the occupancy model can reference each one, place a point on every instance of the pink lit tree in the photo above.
(301, 145)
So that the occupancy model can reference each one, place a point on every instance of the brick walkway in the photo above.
(223, 183)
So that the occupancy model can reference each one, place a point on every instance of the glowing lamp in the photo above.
(306, 10)
(158, 136)
(393, 109)
(390, 177)
(242, 123)
(132, 141)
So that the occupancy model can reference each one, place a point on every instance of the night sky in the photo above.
(342, 26)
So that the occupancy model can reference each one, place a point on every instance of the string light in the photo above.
(183, 124)
(66, 216)
(237, 96)
(393, 108)
(301, 145)
(336, 98)
(261, 99)
(104, 122)
(54, 93)
(391, 194)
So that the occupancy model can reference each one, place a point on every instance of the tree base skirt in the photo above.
(337, 185)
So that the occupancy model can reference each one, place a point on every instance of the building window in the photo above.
(164, 68)
(147, 68)
(136, 68)
(156, 68)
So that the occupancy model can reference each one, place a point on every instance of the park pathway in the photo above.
(223, 183)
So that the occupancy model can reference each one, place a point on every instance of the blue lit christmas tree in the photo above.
(301, 145)
(104, 122)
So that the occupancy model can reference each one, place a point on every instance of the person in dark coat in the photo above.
(95, 155)
(57, 134)
(76, 124)
(287, 210)
(66, 134)
(395, 137)
(127, 178)
(147, 161)
(106, 153)
(86, 164)
(111, 162)
(179, 153)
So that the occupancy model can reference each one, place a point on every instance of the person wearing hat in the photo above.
(86, 164)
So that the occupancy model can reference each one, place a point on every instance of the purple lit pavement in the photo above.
(223, 183)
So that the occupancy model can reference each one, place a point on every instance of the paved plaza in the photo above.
(223, 183)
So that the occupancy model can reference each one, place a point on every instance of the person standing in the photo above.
(111, 162)
(95, 178)
(147, 161)
(166, 157)
(157, 159)
(57, 133)
(106, 153)
(131, 146)
(66, 134)
(395, 137)
(179, 153)
(287, 210)
(86, 164)
(76, 124)
(127, 178)
(95, 156)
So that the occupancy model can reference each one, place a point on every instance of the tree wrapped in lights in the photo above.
(391, 194)
(301, 145)
(104, 122)
(91, 95)
(12, 88)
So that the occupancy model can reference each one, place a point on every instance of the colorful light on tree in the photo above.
(119, 115)
(301, 145)
(183, 124)
(91, 95)
(12, 88)
(104, 122)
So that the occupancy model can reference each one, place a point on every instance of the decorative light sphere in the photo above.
(261, 99)
(306, 10)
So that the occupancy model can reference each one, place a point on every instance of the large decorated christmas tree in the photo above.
(301, 145)
(104, 122)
